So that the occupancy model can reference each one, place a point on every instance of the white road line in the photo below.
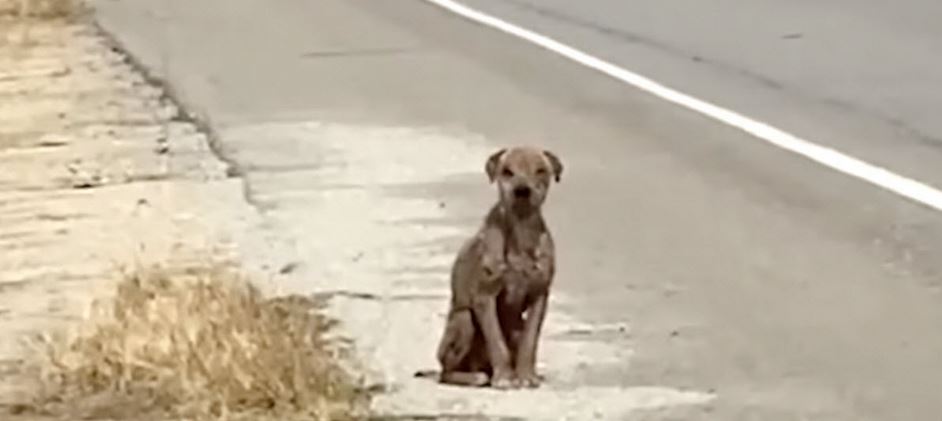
(906, 187)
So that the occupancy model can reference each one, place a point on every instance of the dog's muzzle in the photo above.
(522, 192)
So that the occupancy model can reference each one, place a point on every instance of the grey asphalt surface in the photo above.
(859, 76)
(788, 290)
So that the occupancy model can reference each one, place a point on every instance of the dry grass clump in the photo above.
(41, 9)
(197, 346)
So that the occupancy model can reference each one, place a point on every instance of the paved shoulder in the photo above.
(741, 273)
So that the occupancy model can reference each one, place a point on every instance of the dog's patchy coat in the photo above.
(501, 279)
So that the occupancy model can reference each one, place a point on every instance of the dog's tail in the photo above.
(427, 374)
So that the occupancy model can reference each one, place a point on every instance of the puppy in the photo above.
(501, 278)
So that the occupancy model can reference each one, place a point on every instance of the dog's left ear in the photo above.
(492, 163)
(555, 163)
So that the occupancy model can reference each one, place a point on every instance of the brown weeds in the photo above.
(197, 346)
(41, 9)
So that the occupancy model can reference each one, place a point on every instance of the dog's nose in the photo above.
(522, 192)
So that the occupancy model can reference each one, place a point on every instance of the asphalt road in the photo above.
(784, 288)
(858, 76)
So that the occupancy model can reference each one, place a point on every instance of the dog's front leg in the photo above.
(485, 309)
(541, 276)
(484, 304)
(525, 363)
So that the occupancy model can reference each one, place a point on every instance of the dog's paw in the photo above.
(479, 380)
(503, 381)
(528, 380)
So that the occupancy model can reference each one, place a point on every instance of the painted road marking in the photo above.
(911, 189)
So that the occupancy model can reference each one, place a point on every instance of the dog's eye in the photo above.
(541, 171)
(507, 173)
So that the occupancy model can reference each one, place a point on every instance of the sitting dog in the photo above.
(501, 278)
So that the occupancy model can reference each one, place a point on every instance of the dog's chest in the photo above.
(516, 289)
(521, 279)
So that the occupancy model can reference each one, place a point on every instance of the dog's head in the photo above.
(523, 176)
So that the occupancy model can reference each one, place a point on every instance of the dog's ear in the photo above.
(492, 163)
(555, 163)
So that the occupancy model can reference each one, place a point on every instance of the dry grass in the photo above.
(196, 346)
(41, 9)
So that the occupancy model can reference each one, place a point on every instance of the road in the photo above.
(781, 288)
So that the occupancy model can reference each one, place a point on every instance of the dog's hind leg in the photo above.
(457, 349)
(457, 339)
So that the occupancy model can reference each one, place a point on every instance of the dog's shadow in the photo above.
(434, 375)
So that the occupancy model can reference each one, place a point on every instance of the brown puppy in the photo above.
(501, 279)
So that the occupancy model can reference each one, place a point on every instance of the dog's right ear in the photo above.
(492, 163)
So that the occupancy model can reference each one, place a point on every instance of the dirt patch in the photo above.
(101, 169)
(195, 345)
